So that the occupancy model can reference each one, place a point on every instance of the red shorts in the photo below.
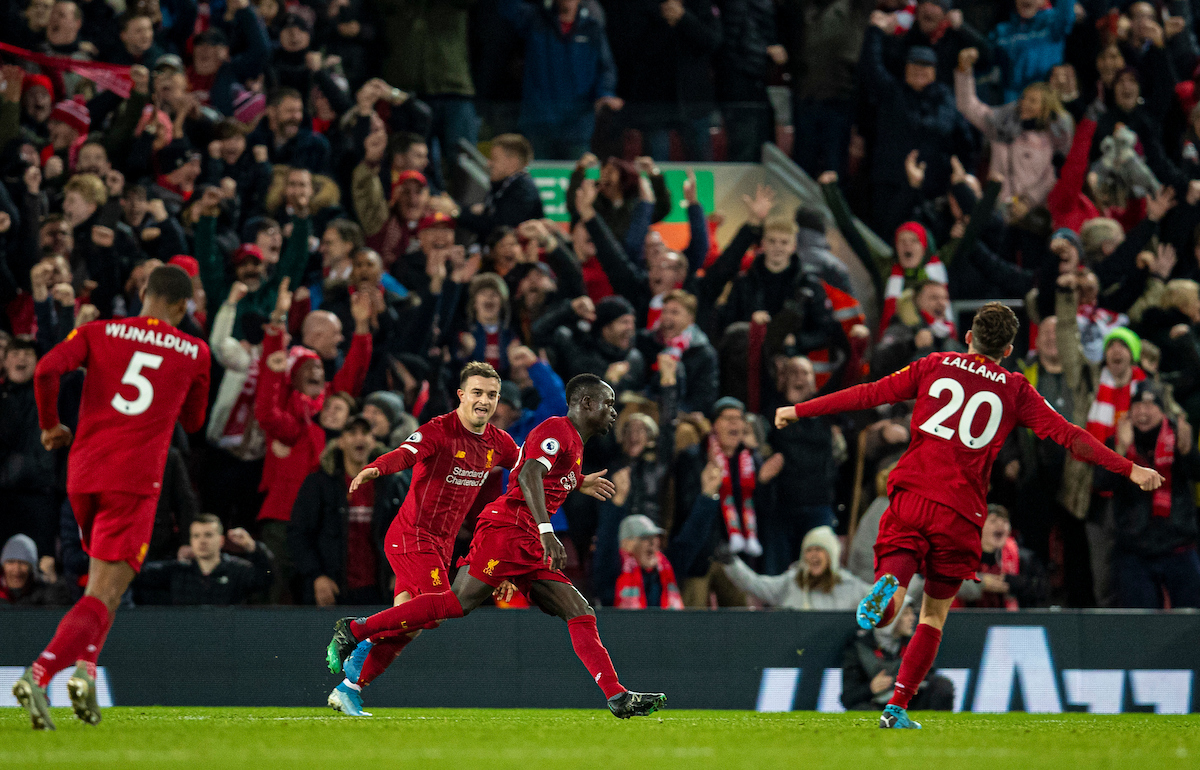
(418, 572)
(502, 552)
(115, 526)
(946, 544)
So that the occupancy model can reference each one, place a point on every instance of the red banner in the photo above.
(107, 77)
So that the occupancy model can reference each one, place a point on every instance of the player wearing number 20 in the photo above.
(143, 374)
(966, 405)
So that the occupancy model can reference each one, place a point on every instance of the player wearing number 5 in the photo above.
(966, 405)
(143, 375)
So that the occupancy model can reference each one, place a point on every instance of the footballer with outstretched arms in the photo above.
(143, 375)
(515, 541)
(451, 457)
(966, 405)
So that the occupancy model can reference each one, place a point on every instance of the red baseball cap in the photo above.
(189, 264)
(247, 251)
(436, 219)
(412, 176)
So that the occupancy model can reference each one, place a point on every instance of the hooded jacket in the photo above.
(319, 529)
(1027, 49)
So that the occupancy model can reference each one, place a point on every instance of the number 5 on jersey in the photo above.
(934, 425)
(133, 376)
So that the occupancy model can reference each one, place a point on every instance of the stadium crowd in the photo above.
(297, 160)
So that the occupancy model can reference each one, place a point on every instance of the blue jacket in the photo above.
(564, 74)
(1028, 49)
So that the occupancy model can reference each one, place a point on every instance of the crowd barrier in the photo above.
(1037, 661)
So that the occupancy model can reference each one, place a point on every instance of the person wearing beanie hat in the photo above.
(37, 98)
(1122, 351)
(68, 125)
(384, 409)
(1155, 533)
(813, 583)
(22, 581)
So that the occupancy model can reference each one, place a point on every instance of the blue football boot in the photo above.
(896, 718)
(347, 700)
(871, 608)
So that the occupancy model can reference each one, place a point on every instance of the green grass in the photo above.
(497, 739)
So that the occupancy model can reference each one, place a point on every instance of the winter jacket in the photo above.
(1024, 157)
(665, 70)
(577, 351)
(294, 440)
(1138, 530)
(426, 50)
(926, 121)
(784, 591)
(304, 150)
(319, 529)
(747, 30)
(25, 465)
(510, 202)
(697, 527)
(810, 472)
(1027, 49)
(699, 377)
(552, 402)
(181, 583)
(824, 39)
(565, 72)
(817, 257)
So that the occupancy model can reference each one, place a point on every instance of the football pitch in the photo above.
(497, 739)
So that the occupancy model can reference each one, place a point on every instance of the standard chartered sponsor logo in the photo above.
(465, 477)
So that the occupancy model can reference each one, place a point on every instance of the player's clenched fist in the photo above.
(785, 415)
(365, 475)
(56, 438)
(1146, 478)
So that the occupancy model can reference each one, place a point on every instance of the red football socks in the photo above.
(91, 653)
(586, 641)
(84, 624)
(409, 616)
(918, 659)
(380, 657)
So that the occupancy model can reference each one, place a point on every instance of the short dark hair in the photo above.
(279, 94)
(209, 518)
(921, 285)
(170, 283)
(994, 329)
(478, 369)
(402, 141)
(134, 191)
(348, 231)
(21, 342)
(127, 18)
(582, 385)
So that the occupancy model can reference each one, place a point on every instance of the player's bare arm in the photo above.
(532, 481)
(365, 475)
(1146, 478)
(785, 415)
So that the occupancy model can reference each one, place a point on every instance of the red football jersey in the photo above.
(966, 405)
(557, 445)
(142, 375)
(450, 464)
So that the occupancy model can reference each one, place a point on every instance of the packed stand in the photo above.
(298, 161)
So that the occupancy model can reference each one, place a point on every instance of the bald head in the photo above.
(322, 332)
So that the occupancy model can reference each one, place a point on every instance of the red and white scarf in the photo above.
(1111, 404)
(1164, 458)
(631, 586)
(941, 328)
(744, 523)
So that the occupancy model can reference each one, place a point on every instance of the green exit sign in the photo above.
(552, 182)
